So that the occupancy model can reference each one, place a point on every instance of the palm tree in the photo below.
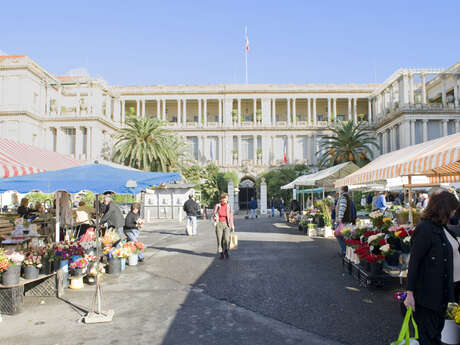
(144, 144)
(348, 142)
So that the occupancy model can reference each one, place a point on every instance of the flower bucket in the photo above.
(46, 266)
(90, 280)
(392, 259)
(133, 259)
(123, 264)
(30, 272)
(77, 272)
(76, 283)
(405, 248)
(376, 268)
(11, 275)
(114, 266)
(450, 333)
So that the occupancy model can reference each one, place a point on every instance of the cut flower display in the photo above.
(4, 261)
(14, 258)
(79, 264)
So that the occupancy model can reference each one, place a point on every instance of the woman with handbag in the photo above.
(223, 221)
(434, 267)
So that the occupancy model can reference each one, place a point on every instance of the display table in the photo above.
(12, 296)
(365, 278)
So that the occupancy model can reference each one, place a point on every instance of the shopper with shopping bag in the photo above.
(434, 267)
(343, 217)
(404, 335)
(223, 221)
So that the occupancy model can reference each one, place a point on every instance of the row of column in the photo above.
(224, 153)
(269, 115)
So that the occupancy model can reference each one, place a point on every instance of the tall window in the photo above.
(68, 145)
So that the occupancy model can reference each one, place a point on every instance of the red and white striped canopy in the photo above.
(438, 159)
(18, 159)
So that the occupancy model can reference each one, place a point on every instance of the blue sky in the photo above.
(202, 42)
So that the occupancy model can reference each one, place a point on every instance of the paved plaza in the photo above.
(279, 287)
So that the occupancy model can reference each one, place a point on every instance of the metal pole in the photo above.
(411, 216)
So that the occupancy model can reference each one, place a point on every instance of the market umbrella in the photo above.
(97, 178)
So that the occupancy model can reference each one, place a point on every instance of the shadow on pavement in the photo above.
(183, 251)
(282, 292)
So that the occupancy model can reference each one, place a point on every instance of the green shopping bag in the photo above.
(404, 335)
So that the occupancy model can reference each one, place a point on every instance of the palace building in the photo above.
(244, 127)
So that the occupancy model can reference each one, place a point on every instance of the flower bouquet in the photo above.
(4, 262)
(78, 267)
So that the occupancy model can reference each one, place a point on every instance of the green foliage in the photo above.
(349, 142)
(210, 189)
(325, 209)
(39, 196)
(89, 198)
(224, 178)
(144, 144)
(279, 177)
(124, 198)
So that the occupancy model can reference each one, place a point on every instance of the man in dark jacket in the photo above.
(133, 223)
(253, 207)
(113, 216)
(191, 208)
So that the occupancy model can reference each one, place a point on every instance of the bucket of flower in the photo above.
(135, 248)
(114, 256)
(32, 264)
(78, 271)
(10, 276)
(92, 270)
(451, 331)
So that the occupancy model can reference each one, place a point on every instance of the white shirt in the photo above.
(456, 255)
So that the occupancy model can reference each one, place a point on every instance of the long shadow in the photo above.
(283, 292)
(183, 251)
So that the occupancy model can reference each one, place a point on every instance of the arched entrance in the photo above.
(247, 189)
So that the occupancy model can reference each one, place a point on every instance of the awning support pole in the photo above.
(411, 216)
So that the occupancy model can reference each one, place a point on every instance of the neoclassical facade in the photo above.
(243, 127)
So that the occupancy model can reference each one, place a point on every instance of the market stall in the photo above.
(76, 255)
(384, 244)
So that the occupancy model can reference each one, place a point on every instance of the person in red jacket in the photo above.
(223, 218)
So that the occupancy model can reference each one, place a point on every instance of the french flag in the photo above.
(285, 151)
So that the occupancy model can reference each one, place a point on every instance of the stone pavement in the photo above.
(279, 287)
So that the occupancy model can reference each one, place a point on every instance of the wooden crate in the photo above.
(5, 226)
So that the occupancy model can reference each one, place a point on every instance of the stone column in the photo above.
(411, 88)
(123, 111)
(425, 130)
(288, 111)
(143, 108)
(199, 113)
(443, 90)
(138, 111)
(391, 132)
(254, 149)
(220, 112)
(314, 112)
(355, 110)
(78, 142)
(329, 111)
(179, 112)
(294, 113)
(456, 91)
(272, 145)
(384, 142)
(254, 101)
(274, 112)
(309, 149)
(205, 109)
(423, 89)
(263, 197)
(457, 126)
(239, 149)
(89, 152)
(308, 112)
(349, 109)
(334, 109)
(239, 112)
(369, 110)
(405, 93)
(164, 109)
(184, 113)
(158, 109)
(412, 132)
(444, 128)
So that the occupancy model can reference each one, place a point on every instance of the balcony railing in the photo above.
(417, 108)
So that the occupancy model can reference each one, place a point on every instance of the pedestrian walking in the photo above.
(223, 217)
(133, 224)
(253, 207)
(434, 268)
(381, 203)
(191, 208)
(344, 216)
(273, 205)
(281, 206)
(113, 216)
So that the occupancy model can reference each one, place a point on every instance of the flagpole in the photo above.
(246, 52)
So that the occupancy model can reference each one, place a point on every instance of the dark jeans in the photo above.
(430, 324)
(342, 245)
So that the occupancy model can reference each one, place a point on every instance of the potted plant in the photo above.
(259, 115)
(32, 265)
(11, 275)
(259, 154)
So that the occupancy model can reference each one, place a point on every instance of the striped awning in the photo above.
(438, 159)
(18, 159)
